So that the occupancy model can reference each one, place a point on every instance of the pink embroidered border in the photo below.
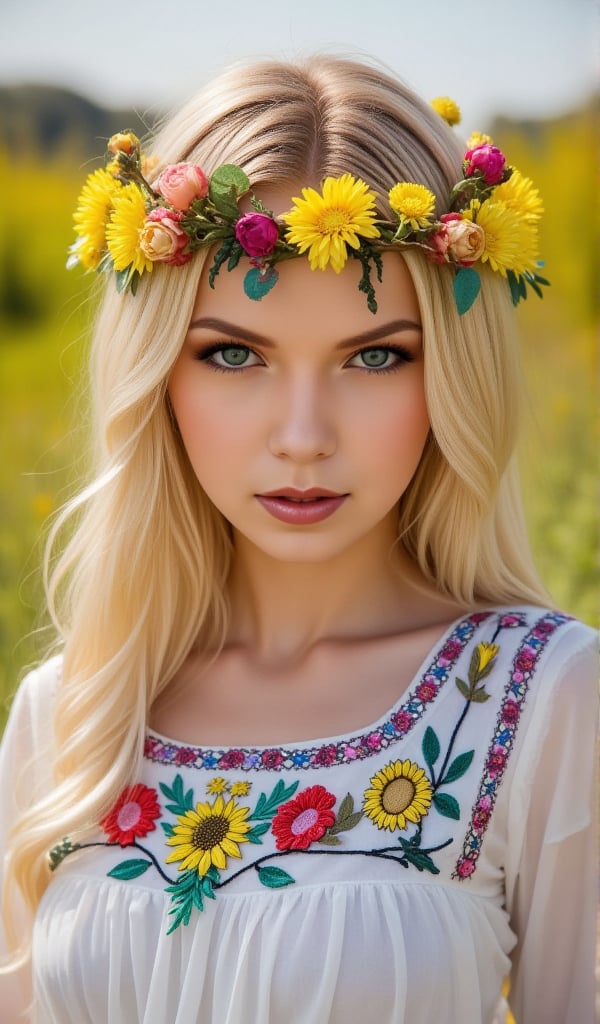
(515, 695)
(400, 722)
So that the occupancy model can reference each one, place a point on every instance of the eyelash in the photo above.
(404, 357)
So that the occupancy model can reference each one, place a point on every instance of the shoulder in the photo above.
(33, 705)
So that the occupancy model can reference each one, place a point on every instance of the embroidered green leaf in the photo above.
(213, 874)
(259, 830)
(258, 284)
(186, 893)
(422, 861)
(274, 878)
(266, 806)
(328, 839)
(430, 747)
(464, 689)
(346, 818)
(447, 805)
(167, 829)
(458, 767)
(207, 888)
(479, 696)
(58, 853)
(129, 869)
(181, 802)
(466, 287)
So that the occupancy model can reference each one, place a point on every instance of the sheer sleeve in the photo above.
(551, 878)
(25, 758)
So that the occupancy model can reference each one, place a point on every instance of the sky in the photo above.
(521, 58)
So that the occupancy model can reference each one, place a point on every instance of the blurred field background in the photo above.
(45, 313)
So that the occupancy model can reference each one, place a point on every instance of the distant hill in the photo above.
(51, 121)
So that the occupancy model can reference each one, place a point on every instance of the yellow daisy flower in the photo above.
(325, 224)
(209, 835)
(510, 241)
(94, 207)
(520, 195)
(413, 203)
(399, 793)
(216, 785)
(448, 109)
(240, 788)
(478, 139)
(124, 228)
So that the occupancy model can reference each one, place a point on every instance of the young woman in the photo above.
(315, 747)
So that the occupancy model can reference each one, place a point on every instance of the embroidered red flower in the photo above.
(133, 815)
(185, 755)
(271, 758)
(326, 755)
(525, 660)
(232, 759)
(426, 692)
(401, 721)
(496, 761)
(510, 712)
(303, 820)
(451, 649)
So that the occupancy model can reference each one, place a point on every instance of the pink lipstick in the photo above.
(301, 508)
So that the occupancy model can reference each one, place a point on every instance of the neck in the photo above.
(282, 610)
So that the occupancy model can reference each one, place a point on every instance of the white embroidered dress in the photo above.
(381, 877)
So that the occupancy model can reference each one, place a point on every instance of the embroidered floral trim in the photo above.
(399, 724)
(507, 722)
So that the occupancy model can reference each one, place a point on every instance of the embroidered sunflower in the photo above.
(216, 785)
(510, 241)
(399, 793)
(94, 206)
(124, 230)
(209, 835)
(326, 223)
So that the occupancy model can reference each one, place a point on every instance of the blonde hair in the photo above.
(142, 580)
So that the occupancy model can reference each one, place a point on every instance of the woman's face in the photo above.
(305, 390)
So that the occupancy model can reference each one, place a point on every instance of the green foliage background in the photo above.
(45, 314)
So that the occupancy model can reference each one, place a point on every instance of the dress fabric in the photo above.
(395, 875)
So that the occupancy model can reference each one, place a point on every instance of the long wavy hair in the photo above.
(142, 576)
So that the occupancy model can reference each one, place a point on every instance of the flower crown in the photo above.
(126, 224)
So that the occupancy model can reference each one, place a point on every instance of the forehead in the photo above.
(326, 304)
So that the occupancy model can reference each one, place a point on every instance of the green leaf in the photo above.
(123, 278)
(214, 874)
(422, 861)
(259, 830)
(430, 747)
(167, 829)
(266, 807)
(346, 807)
(257, 283)
(480, 696)
(230, 178)
(221, 256)
(447, 805)
(466, 286)
(274, 878)
(346, 823)
(458, 767)
(329, 839)
(129, 869)
(464, 689)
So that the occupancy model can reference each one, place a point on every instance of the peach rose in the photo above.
(466, 240)
(162, 240)
(180, 184)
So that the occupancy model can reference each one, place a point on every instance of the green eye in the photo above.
(235, 356)
(375, 357)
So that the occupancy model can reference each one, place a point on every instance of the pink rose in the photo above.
(465, 868)
(440, 242)
(162, 240)
(180, 184)
(257, 234)
(486, 160)
(466, 240)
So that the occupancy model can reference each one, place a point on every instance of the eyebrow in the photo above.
(393, 327)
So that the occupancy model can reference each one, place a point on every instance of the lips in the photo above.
(301, 508)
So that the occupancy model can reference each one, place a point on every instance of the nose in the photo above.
(303, 421)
